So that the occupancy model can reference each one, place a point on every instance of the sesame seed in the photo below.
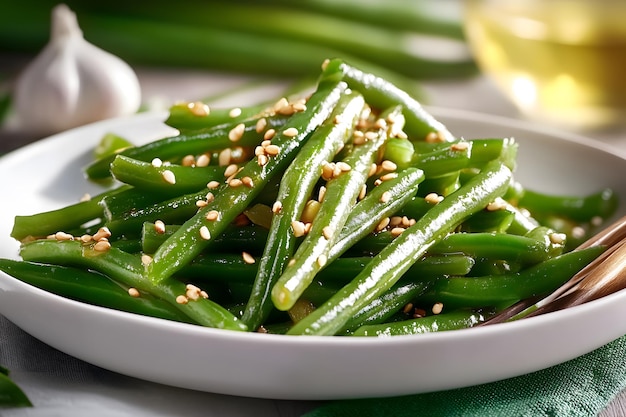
(85, 197)
(201, 203)
(299, 106)
(327, 170)
(146, 259)
(199, 109)
(327, 232)
(236, 132)
(325, 63)
(169, 176)
(460, 146)
(395, 221)
(277, 207)
(181, 299)
(437, 308)
(63, 236)
(205, 233)
(297, 228)
(192, 292)
(210, 197)
(558, 238)
(389, 176)
(291, 262)
(269, 134)
(235, 182)
(102, 233)
(373, 169)
(133, 292)
(290, 132)
(231, 170)
(261, 124)
(497, 204)
(407, 308)
(247, 258)
(234, 112)
(188, 161)
(212, 215)
(321, 260)
(433, 198)
(223, 159)
(343, 166)
(262, 160)
(397, 231)
(157, 163)
(385, 197)
(382, 224)
(280, 104)
(380, 123)
(371, 135)
(434, 137)
(358, 138)
(388, 165)
(204, 294)
(86, 238)
(363, 192)
(213, 185)
(272, 150)
(321, 194)
(203, 160)
(102, 246)
(247, 181)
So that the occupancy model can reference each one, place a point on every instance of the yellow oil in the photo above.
(558, 60)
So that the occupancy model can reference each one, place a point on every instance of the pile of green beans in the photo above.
(351, 212)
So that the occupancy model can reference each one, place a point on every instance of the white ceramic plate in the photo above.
(48, 175)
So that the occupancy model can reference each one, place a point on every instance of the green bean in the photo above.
(381, 309)
(198, 115)
(454, 320)
(580, 209)
(296, 186)
(382, 94)
(65, 218)
(519, 249)
(379, 203)
(390, 264)
(89, 287)
(197, 142)
(10, 394)
(493, 290)
(128, 269)
(170, 179)
(230, 201)
(399, 151)
(497, 221)
(342, 191)
(234, 238)
(124, 218)
(231, 267)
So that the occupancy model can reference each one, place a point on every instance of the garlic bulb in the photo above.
(72, 82)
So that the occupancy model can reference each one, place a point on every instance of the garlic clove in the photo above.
(72, 82)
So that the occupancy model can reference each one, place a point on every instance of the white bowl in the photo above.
(48, 174)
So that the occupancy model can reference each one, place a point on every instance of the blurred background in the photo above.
(524, 59)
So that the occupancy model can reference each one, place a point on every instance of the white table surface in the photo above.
(63, 386)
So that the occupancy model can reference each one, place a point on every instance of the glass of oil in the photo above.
(560, 61)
